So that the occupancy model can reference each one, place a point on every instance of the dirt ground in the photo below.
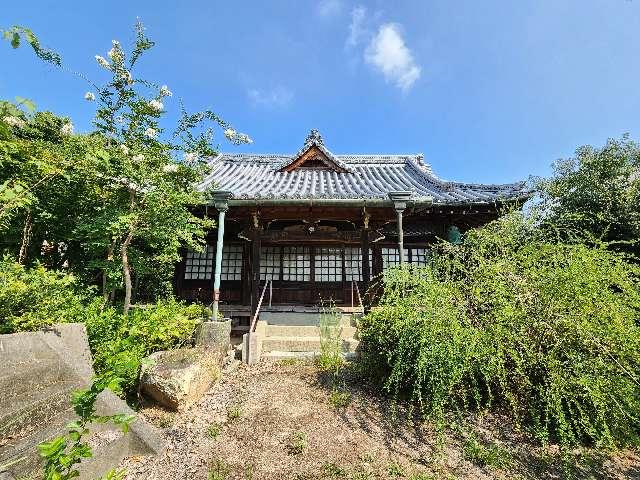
(284, 421)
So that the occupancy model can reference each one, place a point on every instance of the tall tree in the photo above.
(597, 192)
(141, 182)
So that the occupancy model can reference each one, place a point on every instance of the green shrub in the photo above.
(549, 331)
(33, 298)
(119, 342)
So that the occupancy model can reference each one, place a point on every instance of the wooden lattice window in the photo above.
(199, 265)
(419, 256)
(328, 265)
(296, 264)
(270, 263)
(353, 263)
(231, 263)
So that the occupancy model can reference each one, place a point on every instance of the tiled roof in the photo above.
(258, 176)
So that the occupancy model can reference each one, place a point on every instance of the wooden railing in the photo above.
(257, 312)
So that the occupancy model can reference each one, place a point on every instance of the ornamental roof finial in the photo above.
(314, 135)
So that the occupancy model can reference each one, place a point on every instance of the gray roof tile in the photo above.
(258, 176)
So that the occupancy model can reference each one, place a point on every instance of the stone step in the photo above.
(302, 344)
(305, 331)
(277, 356)
(32, 410)
(25, 447)
(26, 377)
(301, 318)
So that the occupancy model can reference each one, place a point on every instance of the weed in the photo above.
(219, 470)
(340, 399)
(330, 357)
(299, 443)
(331, 470)
(248, 471)
(485, 454)
(395, 470)
(214, 430)
(290, 361)
(234, 412)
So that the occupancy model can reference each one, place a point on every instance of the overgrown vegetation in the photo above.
(546, 330)
(63, 454)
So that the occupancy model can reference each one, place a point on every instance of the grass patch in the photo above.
(331, 470)
(299, 443)
(214, 430)
(219, 470)
(340, 399)
(485, 454)
(234, 412)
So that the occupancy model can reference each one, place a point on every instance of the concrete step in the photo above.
(277, 356)
(302, 344)
(305, 331)
(301, 318)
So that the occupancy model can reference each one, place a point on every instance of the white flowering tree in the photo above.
(144, 176)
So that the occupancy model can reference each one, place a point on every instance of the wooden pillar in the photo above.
(366, 267)
(255, 270)
(246, 273)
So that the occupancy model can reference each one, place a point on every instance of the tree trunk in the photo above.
(126, 268)
(105, 294)
(126, 271)
(26, 238)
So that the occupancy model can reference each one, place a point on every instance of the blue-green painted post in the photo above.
(222, 205)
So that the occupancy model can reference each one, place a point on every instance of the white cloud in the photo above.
(357, 28)
(329, 8)
(388, 53)
(276, 97)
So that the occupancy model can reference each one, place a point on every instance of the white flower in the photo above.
(190, 157)
(165, 92)
(67, 129)
(89, 96)
(230, 133)
(115, 52)
(102, 62)
(170, 168)
(151, 132)
(126, 76)
(138, 158)
(124, 149)
(13, 121)
(156, 105)
(120, 119)
(243, 138)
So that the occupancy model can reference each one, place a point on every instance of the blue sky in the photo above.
(490, 91)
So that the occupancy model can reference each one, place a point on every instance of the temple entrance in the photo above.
(310, 274)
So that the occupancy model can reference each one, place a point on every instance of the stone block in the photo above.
(176, 379)
(215, 335)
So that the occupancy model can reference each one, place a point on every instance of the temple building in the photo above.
(318, 226)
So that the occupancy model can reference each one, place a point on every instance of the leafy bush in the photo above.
(549, 331)
(120, 342)
(34, 298)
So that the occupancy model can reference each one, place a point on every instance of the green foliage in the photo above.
(33, 298)
(120, 342)
(214, 430)
(330, 357)
(340, 399)
(234, 412)
(115, 206)
(298, 444)
(547, 330)
(62, 454)
(219, 470)
(485, 454)
(596, 195)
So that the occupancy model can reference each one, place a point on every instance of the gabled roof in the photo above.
(263, 176)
